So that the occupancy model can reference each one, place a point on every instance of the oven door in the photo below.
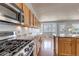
(9, 13)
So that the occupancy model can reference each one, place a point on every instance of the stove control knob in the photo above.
(26, 49)
(21, 54)
(30, 45)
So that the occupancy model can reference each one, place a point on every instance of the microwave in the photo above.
(9, 12)
(21, 18)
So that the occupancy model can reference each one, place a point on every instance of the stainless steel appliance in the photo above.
(27, 50)
(15, 47)
(9, 12)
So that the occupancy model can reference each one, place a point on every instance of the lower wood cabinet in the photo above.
(66, 46)
(77, 46)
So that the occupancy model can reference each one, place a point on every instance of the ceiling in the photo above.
(56, 11)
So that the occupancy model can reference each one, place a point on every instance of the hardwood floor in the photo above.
(47, 47)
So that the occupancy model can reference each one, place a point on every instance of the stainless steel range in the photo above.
(16, 47)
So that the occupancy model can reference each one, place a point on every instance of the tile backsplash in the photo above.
(7, 27)
(20, 32)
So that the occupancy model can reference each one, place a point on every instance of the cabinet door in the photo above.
(66, 46)
(61, 46)
(37, 22)
(31, 19)
(34, 21)
(26, 15)
(77, 46)
(20, 5)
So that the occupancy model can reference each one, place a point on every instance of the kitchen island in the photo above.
(66, 46)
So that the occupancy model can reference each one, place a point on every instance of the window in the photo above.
(49, 28)
(62, 29)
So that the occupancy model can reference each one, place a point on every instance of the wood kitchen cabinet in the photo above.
(30, 19)
(66, 46)
(20, 5)
(26, 15)
(36, 22)
(77, 46)
(33, 20)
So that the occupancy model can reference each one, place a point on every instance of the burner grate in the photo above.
(10, 46)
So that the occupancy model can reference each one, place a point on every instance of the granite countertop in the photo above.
(68, 36)
(25, 37)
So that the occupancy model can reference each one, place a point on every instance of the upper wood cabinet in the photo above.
(37, 23)
(20, 5)
(26, 15)
(34, 21)
(30, 19)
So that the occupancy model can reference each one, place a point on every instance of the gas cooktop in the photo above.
(10, 46)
